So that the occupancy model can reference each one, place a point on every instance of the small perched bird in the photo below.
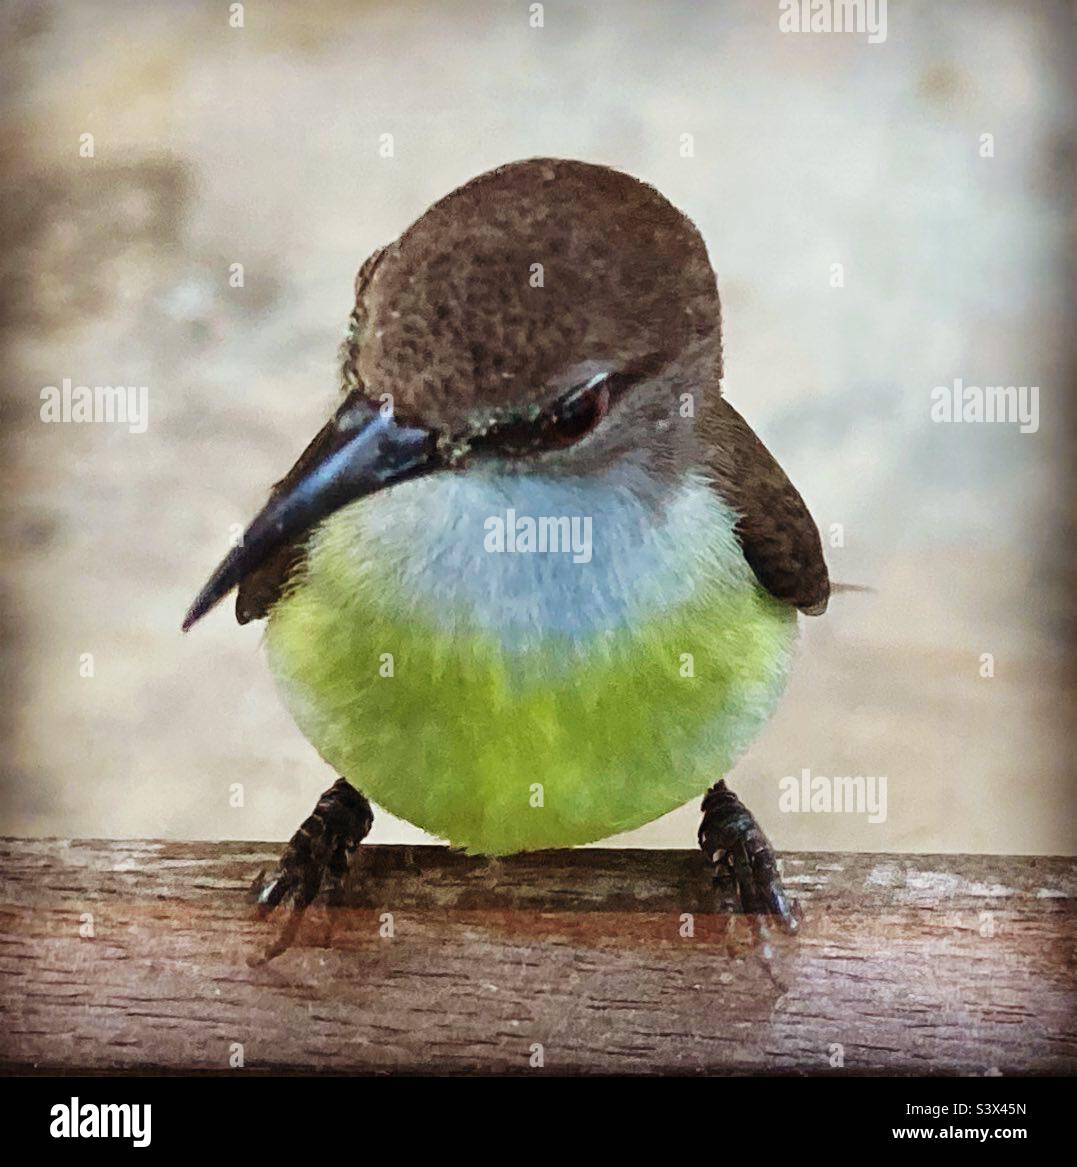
(536, 581)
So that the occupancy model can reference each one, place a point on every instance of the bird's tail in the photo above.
(836, 588)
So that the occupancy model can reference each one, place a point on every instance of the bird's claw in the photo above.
(317, 855)
(759, 887)
(734, 842)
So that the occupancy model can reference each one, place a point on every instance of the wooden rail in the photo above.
(132, 956)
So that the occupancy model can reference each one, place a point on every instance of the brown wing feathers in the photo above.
(779, 537)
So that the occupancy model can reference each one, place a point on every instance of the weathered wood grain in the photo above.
(911, 964)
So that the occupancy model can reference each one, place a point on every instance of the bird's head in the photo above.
(549, 317)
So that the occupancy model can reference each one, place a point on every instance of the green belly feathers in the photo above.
(500, 751)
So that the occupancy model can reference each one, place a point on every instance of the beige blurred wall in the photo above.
(259, 146)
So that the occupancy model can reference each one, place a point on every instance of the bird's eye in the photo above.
(575, 416)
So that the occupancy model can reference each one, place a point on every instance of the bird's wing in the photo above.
(779, 537)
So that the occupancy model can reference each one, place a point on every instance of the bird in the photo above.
(536, 582)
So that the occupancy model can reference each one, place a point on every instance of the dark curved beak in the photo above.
(361, 450)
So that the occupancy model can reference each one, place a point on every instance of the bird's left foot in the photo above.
(317, 855)
(734, 842)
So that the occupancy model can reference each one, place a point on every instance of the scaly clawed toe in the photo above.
(734, 842)
(317, 855)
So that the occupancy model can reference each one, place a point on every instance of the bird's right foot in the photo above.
(317, 856)
(735, 844)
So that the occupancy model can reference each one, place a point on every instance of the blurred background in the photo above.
(215, 145)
